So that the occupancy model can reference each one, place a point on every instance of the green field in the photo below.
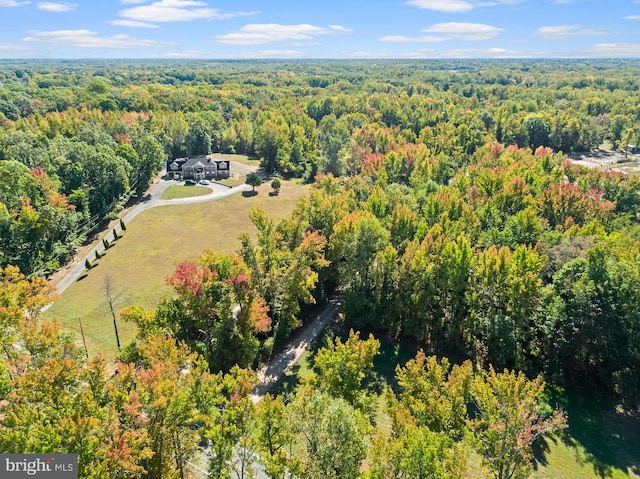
(155, 241)
(601, 441)
(182, 191)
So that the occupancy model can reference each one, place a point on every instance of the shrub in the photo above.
(276, 185)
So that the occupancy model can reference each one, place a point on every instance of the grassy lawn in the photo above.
(601, 441)
(245, 160)
(232, 181)
(182, 191)
(154, 243)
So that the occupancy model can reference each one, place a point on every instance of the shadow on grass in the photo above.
(602, 434)
(81, 277)
(249, 194)
(541, 449)
(289, 382)
(392, 354)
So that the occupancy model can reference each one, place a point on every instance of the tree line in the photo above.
(151, 418)
(99, 129)
(443, 208)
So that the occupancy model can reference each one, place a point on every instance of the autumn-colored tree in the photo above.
(216, 310)
(283, 269)
(511, 417)
(435, 393)
(58, 403)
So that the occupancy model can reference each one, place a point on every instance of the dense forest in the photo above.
(443, 210)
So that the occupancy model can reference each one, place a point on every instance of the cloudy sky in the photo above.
(319, 29)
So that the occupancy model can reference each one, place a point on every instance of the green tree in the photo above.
(332, 436)
(511, 417)
(276, 185)
(436, 394)
(356, 240)
(151, 160)
(275, 437)
(416, 452)
(253, 180)
(342, 366)
(284, 270)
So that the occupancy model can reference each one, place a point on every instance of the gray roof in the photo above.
(195, 160)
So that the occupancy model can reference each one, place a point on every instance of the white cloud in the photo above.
(449, 31)
(17, 51)
(442, 5)
(457, 6)
(364, 54)
(57, 6)
(260, 34)
(632, 17)
(89, 39)
(13, 48)
(196, 54)
(176, 11)
(132, 23)
(12, 3)
(465, 31)
(559, 32)
(403, 39)
(605, 50)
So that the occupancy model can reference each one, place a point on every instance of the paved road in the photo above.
(151, 200)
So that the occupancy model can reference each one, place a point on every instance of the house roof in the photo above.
(199, 162)
(176, 164)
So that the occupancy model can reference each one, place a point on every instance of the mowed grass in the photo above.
(182, 191)
(154, 243)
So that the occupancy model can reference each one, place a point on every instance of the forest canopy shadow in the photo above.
(601, 433)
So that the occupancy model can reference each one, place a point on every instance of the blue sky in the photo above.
(224, 29)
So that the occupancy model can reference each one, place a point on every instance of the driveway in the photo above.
(268, 377)
(151, 200)
(275, 369)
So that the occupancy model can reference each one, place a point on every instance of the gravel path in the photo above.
(275, 369)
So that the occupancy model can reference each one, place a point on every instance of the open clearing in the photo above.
(607, 159)
(138, 263)
(182, 191)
